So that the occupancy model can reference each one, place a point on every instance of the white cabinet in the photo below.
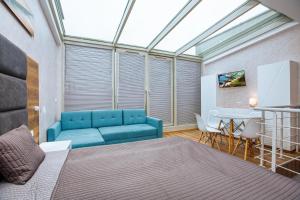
(277, 85)
(208, 94)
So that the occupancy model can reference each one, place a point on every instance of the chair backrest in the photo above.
(212, 119)
(252, 127)
(200, 123)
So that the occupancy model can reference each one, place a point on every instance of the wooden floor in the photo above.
(195, 135)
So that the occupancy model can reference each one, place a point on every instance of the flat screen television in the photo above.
(232, 79)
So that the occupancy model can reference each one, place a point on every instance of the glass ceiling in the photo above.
(147, 19)
(99, 19)
(95, 19)
(245, 17)
(206, 14)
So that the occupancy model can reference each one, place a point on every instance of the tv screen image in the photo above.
(232, 79)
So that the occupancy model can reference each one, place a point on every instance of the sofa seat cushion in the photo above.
(82, 137)
(127, 131)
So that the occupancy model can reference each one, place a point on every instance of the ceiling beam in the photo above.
(174, 22)
(124, 19)
(220, 24)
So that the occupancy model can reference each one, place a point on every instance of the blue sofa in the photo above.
(100, 127)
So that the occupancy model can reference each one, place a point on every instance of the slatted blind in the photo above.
(188, 91)
(88, 78)
(160, 89)
(131, 80)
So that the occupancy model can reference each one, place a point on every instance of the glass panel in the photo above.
(93, 18)
(191, 51)
(147, 19)
(206, 14)
(245, 17)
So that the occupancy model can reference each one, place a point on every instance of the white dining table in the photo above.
(232, 116)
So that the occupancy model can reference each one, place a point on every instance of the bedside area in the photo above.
(56, 146)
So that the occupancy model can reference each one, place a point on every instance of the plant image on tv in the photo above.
(232, 79)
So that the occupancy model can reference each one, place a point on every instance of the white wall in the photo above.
(43, 49)
(282, 46)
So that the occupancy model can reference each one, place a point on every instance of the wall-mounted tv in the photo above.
(232, 79)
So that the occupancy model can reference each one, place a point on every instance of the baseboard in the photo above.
(179, 127)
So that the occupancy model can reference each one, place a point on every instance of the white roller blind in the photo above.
(88, 78)
(188, 91)
(160, 89)
(131, 80)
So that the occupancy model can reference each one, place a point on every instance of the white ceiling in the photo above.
(290, 8)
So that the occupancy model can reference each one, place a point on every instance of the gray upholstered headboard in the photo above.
(13, 89)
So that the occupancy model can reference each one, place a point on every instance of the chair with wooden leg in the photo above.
(214, 122)
(249, 133)
(208, 132)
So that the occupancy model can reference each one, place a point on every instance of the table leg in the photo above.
(231, 138)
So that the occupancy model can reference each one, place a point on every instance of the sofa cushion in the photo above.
(76, 120)
(127, 131)
(102, 118)
(134, 116)
(82, 137)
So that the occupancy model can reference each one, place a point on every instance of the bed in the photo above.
(167, 168)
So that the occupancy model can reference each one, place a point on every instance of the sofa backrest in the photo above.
(134, 116)
(102, 118)
(76, 120)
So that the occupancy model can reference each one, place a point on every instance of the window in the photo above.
(188, 91)
(160, 89)
(131, 80)
(88, 78)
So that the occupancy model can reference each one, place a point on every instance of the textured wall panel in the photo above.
(13, 93)
(12, 59)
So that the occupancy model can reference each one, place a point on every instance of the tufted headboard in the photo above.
(13, 88)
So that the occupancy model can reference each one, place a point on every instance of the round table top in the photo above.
(237, 115)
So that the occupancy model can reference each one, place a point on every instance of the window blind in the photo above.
(131, 80)
(88, 78)
(188, 91)
(160, 89)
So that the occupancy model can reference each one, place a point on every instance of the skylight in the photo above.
(147, 19)
(259, 9)
(206, 14)
(164, 25)
(93, 18)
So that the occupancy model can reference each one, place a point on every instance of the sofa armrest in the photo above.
(157, 123)
(53, 131)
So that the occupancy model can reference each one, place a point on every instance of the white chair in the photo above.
(209, 132)
(248, 134)
(214, 122)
